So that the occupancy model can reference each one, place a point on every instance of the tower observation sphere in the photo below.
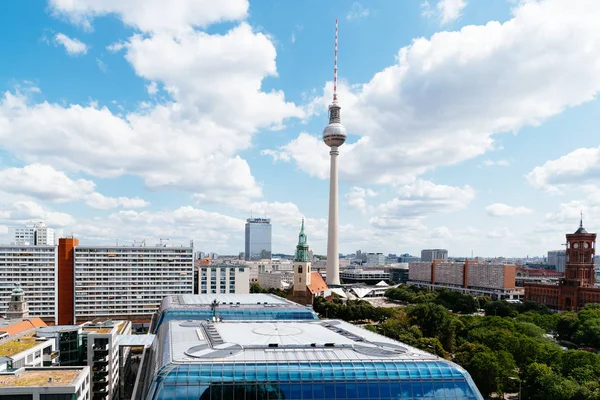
(334, 134)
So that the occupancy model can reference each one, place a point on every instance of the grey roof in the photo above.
(135, 340)
(197, 342)
(196, 301)
(57, 328)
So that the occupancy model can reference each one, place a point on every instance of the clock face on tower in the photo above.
(575, 245)
(586, 245)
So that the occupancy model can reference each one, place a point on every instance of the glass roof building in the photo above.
(230, 307)
(311, 359)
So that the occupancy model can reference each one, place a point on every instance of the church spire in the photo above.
(302, 247)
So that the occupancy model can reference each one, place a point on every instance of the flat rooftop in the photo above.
(40, 377)
(198, 342)
(228, 299)
(15, 346)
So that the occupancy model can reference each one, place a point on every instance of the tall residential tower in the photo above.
(334, 135)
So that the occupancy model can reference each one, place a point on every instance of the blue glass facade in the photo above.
(315, 380)
(238, 314)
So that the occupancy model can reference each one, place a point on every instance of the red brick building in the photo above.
(576, 289)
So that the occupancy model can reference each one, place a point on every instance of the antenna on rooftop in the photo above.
(335, 53)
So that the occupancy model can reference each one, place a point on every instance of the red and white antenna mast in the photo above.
(335, 54)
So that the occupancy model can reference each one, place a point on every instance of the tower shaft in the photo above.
(333, 262)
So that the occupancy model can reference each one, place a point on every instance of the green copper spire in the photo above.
(302, 248)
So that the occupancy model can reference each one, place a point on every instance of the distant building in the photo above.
(276, 279)
(558, 258)
(129, 282)
(398, 272)
(577, 288)
(534, 275)
(223, 279)
(51, 383)
(375, 259)
(258, 239)
(363, 275)
(429, 255)
(407, 258)
(37, 234)
(35, 269)
(494, 280)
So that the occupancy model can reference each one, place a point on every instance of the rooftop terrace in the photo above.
(40, 377)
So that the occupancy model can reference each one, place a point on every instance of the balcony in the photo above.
(100, 386)
(99, 358)
(99, 375)
(100, 352)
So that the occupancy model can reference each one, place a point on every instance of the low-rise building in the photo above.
(276, 279)
(368, 276)
(26, 351)
(495, 280)
(223, 279)
(398, 272)
(53, 383)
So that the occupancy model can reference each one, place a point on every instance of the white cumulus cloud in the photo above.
(153, 15)
(74, 47)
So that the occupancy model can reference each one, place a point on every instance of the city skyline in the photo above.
(114, 126)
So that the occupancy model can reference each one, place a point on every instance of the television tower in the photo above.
(334, 135)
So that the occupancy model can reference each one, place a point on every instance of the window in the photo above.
(299, 269)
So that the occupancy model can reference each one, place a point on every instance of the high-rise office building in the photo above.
(129, 282)
(258, 239)
(429, 255)
(34, 268)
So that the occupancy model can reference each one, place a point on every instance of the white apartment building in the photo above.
(53, 383)
(35, 268)
(129, 282)
(223, 279)
(37, 234)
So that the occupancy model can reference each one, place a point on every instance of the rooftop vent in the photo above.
(50, 379)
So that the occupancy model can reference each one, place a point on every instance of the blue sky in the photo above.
(472, 124)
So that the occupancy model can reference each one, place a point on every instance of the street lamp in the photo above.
(516, 379)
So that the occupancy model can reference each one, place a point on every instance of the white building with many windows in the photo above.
(129, 282)
(223, 279)
(35, 269)
(37, 234)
